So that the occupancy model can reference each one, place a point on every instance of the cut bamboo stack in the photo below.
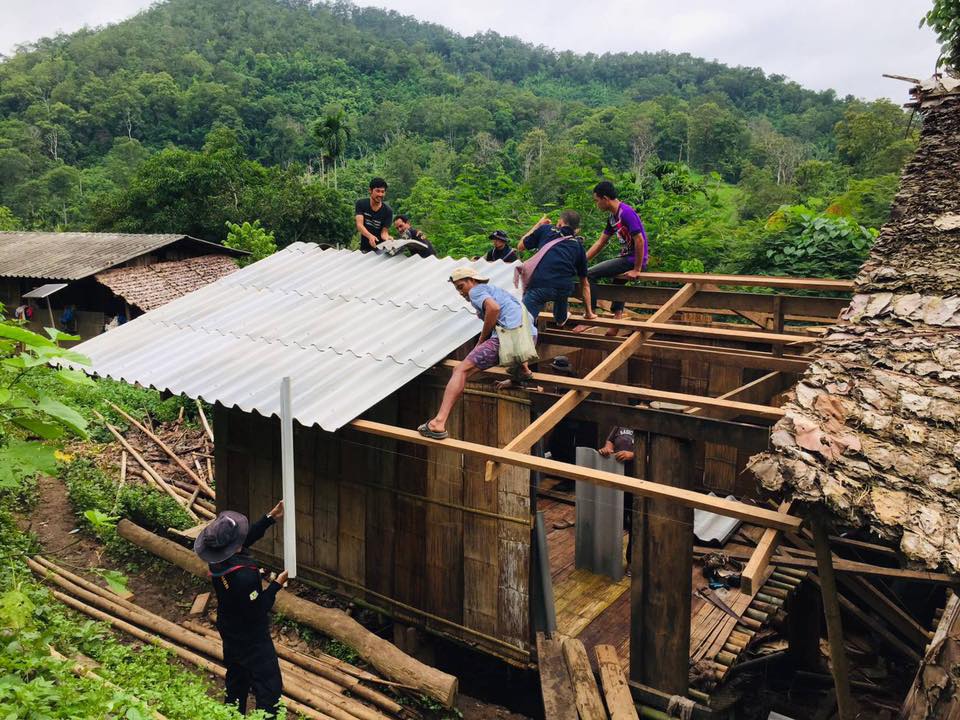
(320, 688)
(163, 468)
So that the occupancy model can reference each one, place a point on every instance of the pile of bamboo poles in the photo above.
(157, 452)
(766, 603)
(316, 687)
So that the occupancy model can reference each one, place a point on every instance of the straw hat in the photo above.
(467, 273)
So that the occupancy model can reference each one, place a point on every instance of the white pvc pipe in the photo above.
(289, 492)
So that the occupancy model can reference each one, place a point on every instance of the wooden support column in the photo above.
(662, 568)
(831, 609)
(548, 420)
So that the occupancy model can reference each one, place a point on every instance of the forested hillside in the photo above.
(200, 112)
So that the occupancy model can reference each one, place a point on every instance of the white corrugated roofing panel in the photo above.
(348, 328)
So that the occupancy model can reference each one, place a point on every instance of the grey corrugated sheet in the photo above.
(712, 528)
(348, 328)
(75, 255)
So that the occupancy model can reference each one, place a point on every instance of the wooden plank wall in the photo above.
(469, 569)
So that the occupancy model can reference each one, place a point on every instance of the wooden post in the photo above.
(831, 609)
(662, 570)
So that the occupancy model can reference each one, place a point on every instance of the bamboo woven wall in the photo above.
(414, 531)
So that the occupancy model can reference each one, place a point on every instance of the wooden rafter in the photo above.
(548, 420)
(733, 407)
(753, 574)
(757, 391)
(731, 508)
(670, 349)
(655, 325)
(819, 284)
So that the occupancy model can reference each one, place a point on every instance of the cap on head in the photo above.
(467, 273)
(222, 537)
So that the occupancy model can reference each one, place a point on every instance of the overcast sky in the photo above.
(843, 44)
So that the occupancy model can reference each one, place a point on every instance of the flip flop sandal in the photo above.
(432, 434)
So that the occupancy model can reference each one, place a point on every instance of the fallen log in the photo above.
(163, 446)
(382, 655)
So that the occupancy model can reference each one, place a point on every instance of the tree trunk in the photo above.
(382, 655)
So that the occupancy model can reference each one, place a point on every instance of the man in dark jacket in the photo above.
(243, 607)
(501, 249)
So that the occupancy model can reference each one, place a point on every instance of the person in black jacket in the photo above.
(243, 607)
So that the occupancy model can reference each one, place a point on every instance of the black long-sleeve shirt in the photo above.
(243, 604)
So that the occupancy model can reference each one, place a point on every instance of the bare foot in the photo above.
(612, 332)
(580, 328)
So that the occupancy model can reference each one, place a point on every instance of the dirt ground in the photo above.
(162, 588)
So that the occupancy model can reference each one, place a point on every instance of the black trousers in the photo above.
(252, 666)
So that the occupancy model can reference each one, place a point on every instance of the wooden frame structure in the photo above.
(729, 407)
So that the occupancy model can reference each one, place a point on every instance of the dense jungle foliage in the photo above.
(197, 113)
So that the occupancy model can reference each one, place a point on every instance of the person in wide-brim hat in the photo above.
(222, 537)
(243, 607)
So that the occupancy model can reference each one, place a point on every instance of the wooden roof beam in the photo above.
(730, 508)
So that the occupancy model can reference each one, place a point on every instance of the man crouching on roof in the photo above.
(508, 338)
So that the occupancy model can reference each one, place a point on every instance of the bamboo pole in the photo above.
(166, 448)
(321, 669)
(203, 420)
(83, 671)
(319, 694)
(382, 655)
(179, 651)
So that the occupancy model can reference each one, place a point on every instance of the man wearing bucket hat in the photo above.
(501, 249)
(504, 318)
(243, 607)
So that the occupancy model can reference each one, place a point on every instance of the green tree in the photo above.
(333, 132)
(871, 138)
(252, 238)
(8, 221)
(944, 18)
(717, 140)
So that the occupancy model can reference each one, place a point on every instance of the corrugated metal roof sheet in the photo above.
(75, 255)
(348, 328)
(150, 286)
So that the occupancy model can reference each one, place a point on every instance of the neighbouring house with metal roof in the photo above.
(100, 276)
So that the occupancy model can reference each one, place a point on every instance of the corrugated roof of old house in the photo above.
(872, 428)
(348, 328)
(76, 255)
(150, 286)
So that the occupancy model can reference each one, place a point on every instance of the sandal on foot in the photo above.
(432, 434)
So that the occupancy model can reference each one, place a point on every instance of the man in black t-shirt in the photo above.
(420, 245)
(373, 216)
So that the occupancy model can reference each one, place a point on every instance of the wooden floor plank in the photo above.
(559, 700)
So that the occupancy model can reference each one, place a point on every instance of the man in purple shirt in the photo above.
(627, 226)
